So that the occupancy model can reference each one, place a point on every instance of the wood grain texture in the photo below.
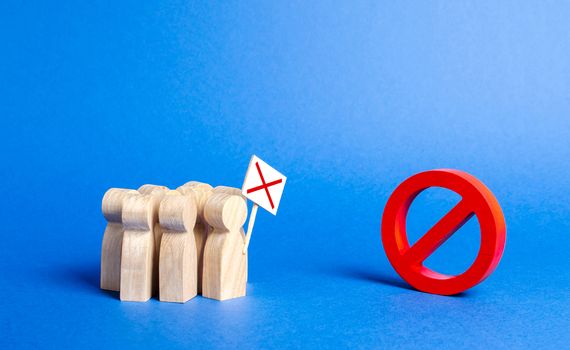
(229, 190)
(177, 270)
(200, 192)
(158, 192)
(112, 208)
(225, 267)
(139, 216)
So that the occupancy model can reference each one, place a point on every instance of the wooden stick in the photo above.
(250, 227)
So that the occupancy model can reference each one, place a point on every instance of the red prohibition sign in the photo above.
(476, 199)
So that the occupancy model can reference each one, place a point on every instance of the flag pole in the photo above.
(250, 227)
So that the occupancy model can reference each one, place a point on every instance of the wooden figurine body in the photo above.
(112, 207)
(140, 214)
(200, 192)
(225, 266)
(177, 269)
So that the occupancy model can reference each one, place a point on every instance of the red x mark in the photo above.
(264, 185)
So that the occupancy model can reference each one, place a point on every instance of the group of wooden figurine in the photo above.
(178, 243)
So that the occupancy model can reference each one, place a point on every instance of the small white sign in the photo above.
(263, 185)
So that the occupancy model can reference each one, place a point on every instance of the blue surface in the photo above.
(347, 99)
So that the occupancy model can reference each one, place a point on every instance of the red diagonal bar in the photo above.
(253, 189)
(264, 184)
(440, 232)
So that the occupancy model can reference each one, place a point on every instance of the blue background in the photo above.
(345, 98)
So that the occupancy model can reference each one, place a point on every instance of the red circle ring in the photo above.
(477, 200)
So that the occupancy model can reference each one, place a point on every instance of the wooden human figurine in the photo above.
(140, 215)
(225, 266)
(177, 269)
(112, 207)
(158, 193)
(201, 192)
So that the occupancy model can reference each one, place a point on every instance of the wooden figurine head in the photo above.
(201, 192)
(112, 204)
(225, 212)
(153, 189)
(177, 212)
(197, 184)
(228, 190)
(139, 212)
